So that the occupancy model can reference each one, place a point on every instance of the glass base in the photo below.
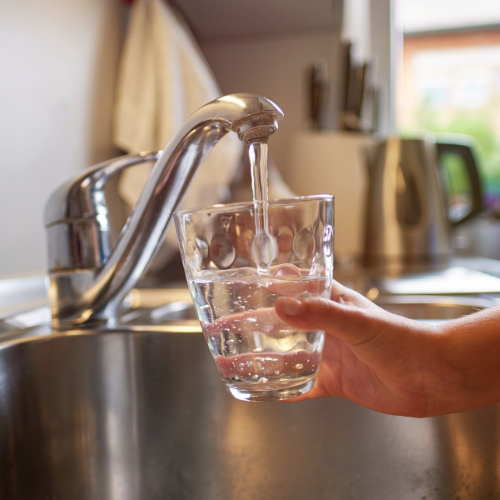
(280, 394)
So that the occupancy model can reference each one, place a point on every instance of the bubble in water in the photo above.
(258, 348)
(263, 380)
(277, 372)
(299, 366)
(241, 365)
(236, 377)
(264, 249)
(255, 377)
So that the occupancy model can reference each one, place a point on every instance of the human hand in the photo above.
(377, 359)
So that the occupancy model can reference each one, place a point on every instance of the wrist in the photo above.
(464, 365)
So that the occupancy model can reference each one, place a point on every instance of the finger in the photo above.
(347, 323)
(373, 334)
(346, 296)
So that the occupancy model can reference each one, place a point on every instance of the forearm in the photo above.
(465, 371)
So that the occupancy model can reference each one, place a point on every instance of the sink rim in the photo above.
(44, 331)
(439, 300)
(23, 335)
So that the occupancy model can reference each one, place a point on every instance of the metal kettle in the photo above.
(409, 211)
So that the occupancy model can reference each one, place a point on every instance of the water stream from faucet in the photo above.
(264, 247)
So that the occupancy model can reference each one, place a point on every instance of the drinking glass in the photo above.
(259, 357)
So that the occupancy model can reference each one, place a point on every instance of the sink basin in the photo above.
(143, 415)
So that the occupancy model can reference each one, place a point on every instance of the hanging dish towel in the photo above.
(164, 78)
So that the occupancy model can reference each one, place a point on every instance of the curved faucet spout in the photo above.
(91, 294)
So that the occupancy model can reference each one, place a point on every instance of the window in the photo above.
(451, 78)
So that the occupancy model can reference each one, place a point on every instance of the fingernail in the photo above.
(292, 307)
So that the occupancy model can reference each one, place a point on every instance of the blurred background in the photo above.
(449, 76)
(81, 81)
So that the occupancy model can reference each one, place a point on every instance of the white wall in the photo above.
(58, 62)
(274, 66)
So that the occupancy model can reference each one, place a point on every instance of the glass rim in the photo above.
(231, 207)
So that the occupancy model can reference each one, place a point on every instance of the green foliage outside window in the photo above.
(480, 124)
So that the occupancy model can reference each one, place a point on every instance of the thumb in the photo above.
(372, 333)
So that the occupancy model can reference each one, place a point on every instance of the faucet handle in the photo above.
(76, 215)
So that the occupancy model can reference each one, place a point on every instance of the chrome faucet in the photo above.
(88, 279)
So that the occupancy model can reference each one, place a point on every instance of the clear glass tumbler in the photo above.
(259, 357)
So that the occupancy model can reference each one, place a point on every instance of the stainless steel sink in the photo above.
(143, 415)
(431, 308)
(140, 413)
